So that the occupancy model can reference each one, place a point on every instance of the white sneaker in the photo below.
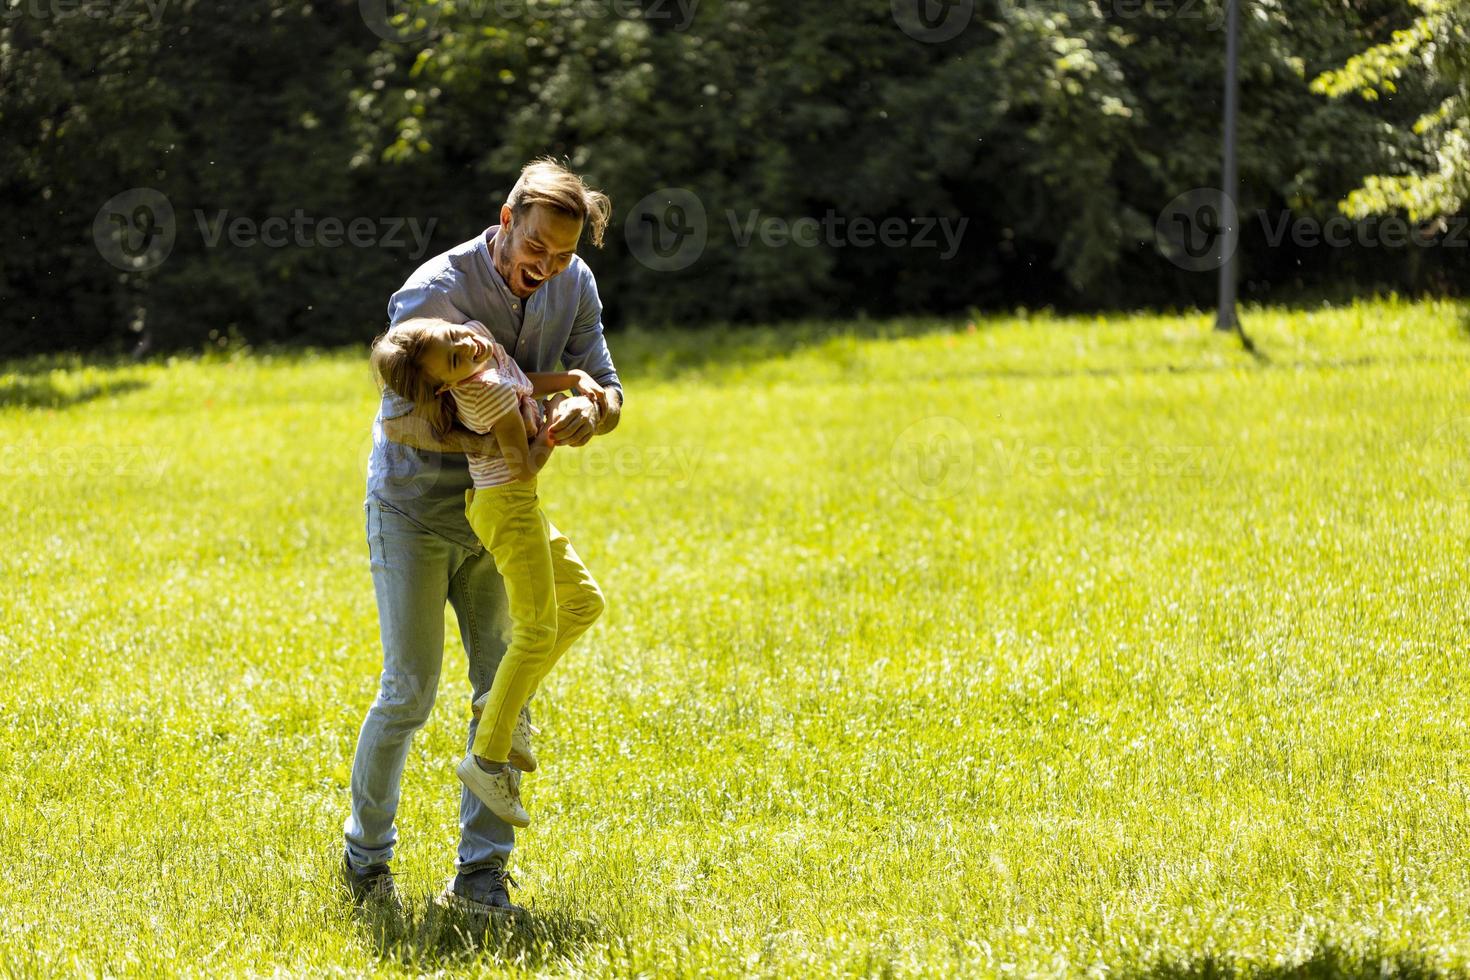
(500, 791)
(521, 755)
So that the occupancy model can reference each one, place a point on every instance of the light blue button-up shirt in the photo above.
(558, 328)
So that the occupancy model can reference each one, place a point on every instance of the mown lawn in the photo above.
(1032, 646)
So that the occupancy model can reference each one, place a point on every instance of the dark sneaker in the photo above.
(372, 885)
(483, 892)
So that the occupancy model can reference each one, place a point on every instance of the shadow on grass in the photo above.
(429, 936)
(672, 355)
(1326, 963)
(669, 354)
(1324, 364)
(49, 391)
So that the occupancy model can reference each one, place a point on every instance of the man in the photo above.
(523, 280)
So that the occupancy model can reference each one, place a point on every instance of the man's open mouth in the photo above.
(531, 279)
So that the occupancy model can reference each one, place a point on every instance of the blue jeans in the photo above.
(414, 573)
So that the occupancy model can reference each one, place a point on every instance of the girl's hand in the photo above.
(591, 389)
(531, 415)
(540, 451)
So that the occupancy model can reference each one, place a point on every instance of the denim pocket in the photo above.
(374, 519)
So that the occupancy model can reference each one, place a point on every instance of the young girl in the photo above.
(450, 370)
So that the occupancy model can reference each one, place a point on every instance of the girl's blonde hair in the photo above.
(397, 361)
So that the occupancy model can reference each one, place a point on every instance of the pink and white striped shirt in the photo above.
(483, 399)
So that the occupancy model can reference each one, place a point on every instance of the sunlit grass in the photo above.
(1031, 645)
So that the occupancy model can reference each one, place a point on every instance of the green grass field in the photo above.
(1032, 646)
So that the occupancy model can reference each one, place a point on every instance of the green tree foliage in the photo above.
(1055, 131)
(220, 107)
(1434, 48)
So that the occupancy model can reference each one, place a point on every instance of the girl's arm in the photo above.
(551, 382)
(416, 432)
(522, 459)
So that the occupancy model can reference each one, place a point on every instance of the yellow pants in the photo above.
(552, 601)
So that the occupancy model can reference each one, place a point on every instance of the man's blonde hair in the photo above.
(548, 182)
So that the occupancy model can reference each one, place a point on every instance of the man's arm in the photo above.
(576, 420)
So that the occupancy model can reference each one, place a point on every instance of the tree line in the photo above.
(185, 172)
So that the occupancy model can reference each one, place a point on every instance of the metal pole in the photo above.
(1225, 318)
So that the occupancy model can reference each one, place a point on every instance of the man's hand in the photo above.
(574, 421)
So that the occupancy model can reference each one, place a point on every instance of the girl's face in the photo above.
(455, 353)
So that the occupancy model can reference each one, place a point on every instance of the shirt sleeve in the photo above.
(480, 404)
(432, 298)
(586, 347)
(393, 405)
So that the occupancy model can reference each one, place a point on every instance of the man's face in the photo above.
(454, 353)
(538, 246)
